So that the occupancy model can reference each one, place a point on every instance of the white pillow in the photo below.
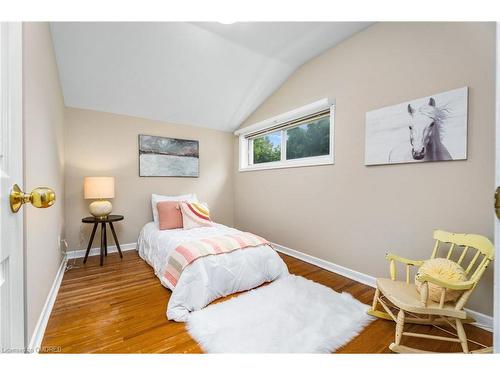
(155, 198)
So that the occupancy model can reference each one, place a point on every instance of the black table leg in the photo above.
(116, 239)
(90, 243)
(105, 240)
(103, 234)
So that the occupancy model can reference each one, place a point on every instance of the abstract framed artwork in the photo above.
(431, 128)
(168, 157)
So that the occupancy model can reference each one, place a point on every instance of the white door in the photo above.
(496, 313)
(12, 329)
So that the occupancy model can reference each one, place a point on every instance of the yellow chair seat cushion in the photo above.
(445, 270)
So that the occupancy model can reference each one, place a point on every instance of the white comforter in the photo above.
(210, 277)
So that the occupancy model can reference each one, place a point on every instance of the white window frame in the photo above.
(245, 156)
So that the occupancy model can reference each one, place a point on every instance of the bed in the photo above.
(209, 277)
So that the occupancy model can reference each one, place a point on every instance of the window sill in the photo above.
(310, 162)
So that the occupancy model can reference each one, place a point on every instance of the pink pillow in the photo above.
(169, 215)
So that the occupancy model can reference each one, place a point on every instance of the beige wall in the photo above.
(103, 144)
(351, 214)
(43, 113)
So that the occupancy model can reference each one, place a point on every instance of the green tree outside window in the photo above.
(308, 140)
(303, 141)
(264, 151)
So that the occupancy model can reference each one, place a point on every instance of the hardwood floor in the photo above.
(120, 308)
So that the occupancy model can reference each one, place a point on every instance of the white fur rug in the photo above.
(290, 315)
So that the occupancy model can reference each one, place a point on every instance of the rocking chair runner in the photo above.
(418, 308)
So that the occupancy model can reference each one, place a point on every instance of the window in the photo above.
(289, 140)
(266, 148)
(309, 139)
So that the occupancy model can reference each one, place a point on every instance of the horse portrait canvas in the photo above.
(431, 128)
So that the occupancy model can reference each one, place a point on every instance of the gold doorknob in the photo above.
(41, 197)
(497, 202)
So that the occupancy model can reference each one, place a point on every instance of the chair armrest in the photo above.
(455, 285)
(390, 256)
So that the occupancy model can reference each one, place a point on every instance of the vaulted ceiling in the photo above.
(203, 74)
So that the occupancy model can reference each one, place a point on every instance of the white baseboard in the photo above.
(329, 266)
(37, 337)
(73, 254)
(482, 320)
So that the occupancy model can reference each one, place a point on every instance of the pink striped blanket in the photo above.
(188, 252)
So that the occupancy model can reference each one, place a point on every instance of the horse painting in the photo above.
(424, 138)
(429, 128)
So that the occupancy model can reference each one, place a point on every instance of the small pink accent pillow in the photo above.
(169, 215)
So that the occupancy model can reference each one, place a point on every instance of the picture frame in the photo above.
(167, 157)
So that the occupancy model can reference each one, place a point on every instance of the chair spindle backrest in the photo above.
(481, 244)
(462, 256)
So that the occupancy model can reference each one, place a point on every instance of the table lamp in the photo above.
(99, 188)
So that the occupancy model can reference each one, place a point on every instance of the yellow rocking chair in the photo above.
(402, 302)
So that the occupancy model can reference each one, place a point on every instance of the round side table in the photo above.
(110, 219)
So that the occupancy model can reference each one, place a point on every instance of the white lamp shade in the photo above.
(99, 187)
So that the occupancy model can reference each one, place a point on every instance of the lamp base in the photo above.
(100, 209)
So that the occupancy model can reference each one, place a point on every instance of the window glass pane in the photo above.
(267, 148)
(306, 140)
